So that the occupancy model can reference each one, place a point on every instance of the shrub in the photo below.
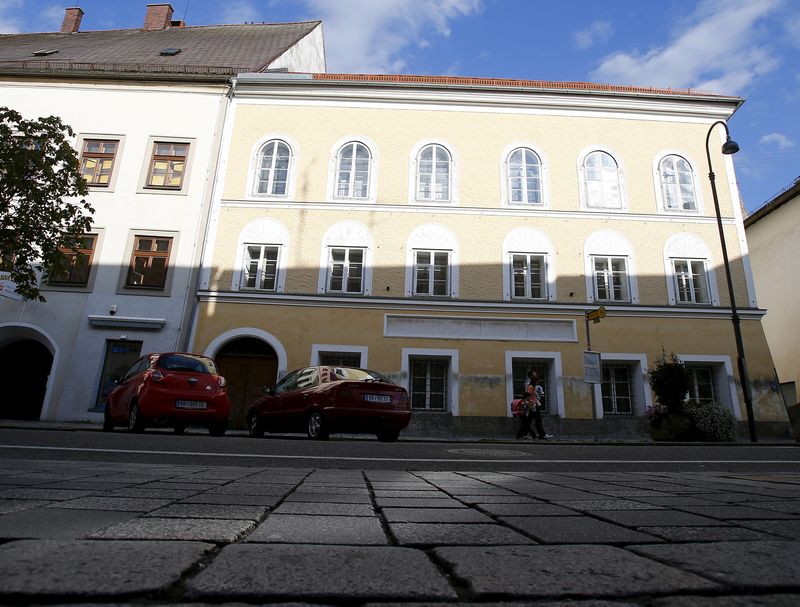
(712, 422)
(669, 380)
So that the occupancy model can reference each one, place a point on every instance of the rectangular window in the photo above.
(617, 390)
(345, 270)
(149, 262)
(702, 387)
(529, 276)
(429, 379)
(97, 161)
(340, 359)
(519, 372)
(168, 165)
(260, 267)
(431, 273)
(691, 281)
(77, 264)
(611, 279)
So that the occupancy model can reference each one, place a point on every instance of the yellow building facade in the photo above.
(453, 233)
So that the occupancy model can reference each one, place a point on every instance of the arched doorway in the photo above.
(28, 363)
(248, 364)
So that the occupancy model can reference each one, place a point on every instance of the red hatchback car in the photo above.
(325, 399)
(171, 389)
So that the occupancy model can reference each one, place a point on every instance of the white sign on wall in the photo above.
(591, 367)
(8, 288)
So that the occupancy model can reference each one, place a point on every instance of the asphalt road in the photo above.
(290, 451)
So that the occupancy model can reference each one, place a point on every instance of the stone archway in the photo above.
(29, 363)
(248, 364)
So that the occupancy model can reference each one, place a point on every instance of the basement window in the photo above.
(44, 52)
(170, 52)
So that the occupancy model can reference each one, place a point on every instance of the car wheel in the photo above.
(218, 429)
(135, 420)
(108, 425)
(254, 425)
(179, 430)
(388, 436)
(317, 429)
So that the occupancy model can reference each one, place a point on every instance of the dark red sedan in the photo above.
(171, 389)
(325, 399)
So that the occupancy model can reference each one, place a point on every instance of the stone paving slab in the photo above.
(531, 509)
(208, 530)
(434, 515)
(251, 489)
(790, 507)
(455, 534)
(605, 504)
(9, 506)
(417, 502)
(250, 513)
(268, 572)
(139, 492)
(498, 499)
(575, 571)
(124, 504)
(36, 493)
(576, 530)
(328, 498)
(658, 518)
(769, 600)
(323, 508)
(736, 564)
(675, 500)
(233, 500)
(52, 523)
(706, 534)
(787, 529)
(725, 512)
(431, 493)
(36, 569)
(304, 529)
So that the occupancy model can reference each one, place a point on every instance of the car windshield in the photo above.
(351, 374)
(184, 362)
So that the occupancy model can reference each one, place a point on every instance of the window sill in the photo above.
(127, 322)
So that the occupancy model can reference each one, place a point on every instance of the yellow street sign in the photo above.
(597, 314)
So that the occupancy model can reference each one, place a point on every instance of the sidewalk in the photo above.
(78, 532)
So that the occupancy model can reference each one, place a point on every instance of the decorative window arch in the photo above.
(602, 185)
(272, 167)
(346, 260)
(676, 183)
(352, 171)
(432, 176)
(609, 268)
(689, 270)
(528, 266)
(432, 262)
(262, 250)
(523, 174)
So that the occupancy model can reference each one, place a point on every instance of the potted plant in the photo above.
(669, 380)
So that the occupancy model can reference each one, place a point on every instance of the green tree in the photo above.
(41, 209)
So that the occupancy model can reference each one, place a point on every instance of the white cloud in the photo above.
(10, 23)
(598, 32)
(719, 48)
(778, 139)
(365, 36)
(240, 11)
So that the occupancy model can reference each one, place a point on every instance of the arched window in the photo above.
(434, 170)
(677, 184)
(272, 171)
(353, 165)
(601, 181)
(524, 177)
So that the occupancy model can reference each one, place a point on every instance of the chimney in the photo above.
(158, 17)
(72, 20)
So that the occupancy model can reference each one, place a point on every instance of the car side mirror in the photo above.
(268, 390)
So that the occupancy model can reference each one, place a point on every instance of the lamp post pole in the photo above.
(731, 147)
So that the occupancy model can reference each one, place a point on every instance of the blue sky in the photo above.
(749, 48)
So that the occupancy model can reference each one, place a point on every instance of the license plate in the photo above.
(377, 398)
(190, 404)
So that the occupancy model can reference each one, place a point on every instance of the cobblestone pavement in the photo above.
(78, 533)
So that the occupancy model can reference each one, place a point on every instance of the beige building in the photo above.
(454, 232)
(774, 249)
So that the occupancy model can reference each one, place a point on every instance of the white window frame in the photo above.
(659, 190)
(267, 232)
(528, 241)
(505, 180)
(723, 371)
(350, 235)
(554, 377)
(333, 171)
(544, 284)
(702, 276)
(245, 274)
(318, 349)
(582, 181)
(641, 383)
(610, 274)
(611, 244)
(432, 237)
(453, 383)
(252, 173)
(345, 270)
(413, 174)
(688, 246)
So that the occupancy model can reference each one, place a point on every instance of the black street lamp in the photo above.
(731, 147)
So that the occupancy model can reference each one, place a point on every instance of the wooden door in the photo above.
(246, 377)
